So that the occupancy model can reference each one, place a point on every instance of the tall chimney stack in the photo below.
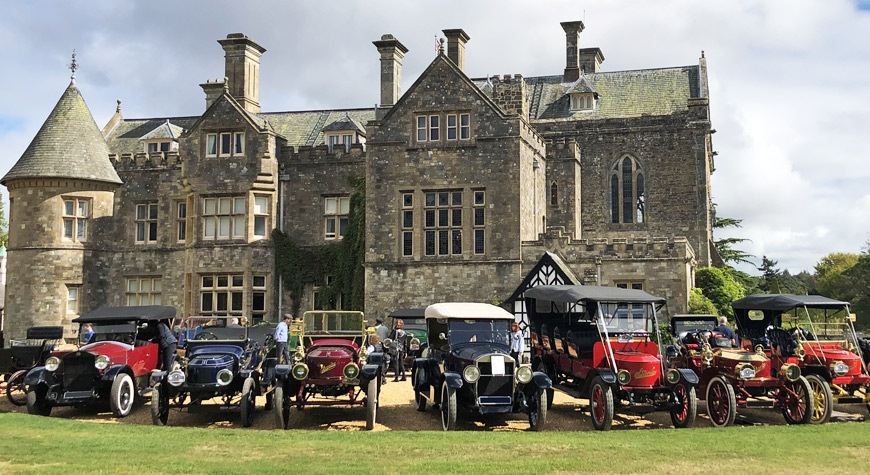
(456, 39)
(572, 42)
(591, 59)
(392, 52)
(243, 69)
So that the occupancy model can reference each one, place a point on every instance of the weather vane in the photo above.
(73, 66)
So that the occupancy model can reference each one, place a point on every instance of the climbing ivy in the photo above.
(310, 265)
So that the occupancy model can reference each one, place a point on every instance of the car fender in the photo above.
(689, 376)
(38, 375)
(541, 380)
(607, 375)
(453, 380)
(157, 376)
(819, 371)
(375, 359)
(113, 371)
(282, 371)
(370, 371)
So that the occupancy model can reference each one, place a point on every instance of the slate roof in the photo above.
(69, 145)
(126, 136)
(621, 94)
(580, 86)
(347, 123)
(166, 130)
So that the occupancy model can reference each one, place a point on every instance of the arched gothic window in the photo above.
(627, 192)
(554, 195)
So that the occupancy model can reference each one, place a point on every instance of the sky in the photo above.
(789, 88)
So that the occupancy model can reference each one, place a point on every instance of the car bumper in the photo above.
(56, 396)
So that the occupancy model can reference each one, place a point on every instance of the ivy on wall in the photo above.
(343, 260)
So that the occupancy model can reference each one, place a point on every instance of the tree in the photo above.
(725, 246)
(699, 304)
(830, 280)
(769, 281)
(720, 286)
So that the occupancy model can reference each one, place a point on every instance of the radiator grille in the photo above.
(79, 371)
(495, 386)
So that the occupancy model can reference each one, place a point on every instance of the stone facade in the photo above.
(469, 181)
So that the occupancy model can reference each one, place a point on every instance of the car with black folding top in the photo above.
(467, 365)
(26, 354)
(221, 370)
(114, 366)
(603, 344)
(815, 333)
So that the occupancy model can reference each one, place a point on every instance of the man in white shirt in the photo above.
(518, 343)
(281, 339)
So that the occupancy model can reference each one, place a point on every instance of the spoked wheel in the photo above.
(419, 399)
(538, 410)
(448, 407)
(159, 405)
(15, 390)
(122, 394)
(36, 402)
(542, 368)
(281, 408)
(823, 399)
(248, 402)
(372, 403)
(601, 404)
(797, 401)
(721, 402)
(683, 415)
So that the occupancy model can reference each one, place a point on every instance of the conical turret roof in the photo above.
(69, 145)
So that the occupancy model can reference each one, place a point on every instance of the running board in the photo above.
(848, 400)
(760, 404)
(567, 390)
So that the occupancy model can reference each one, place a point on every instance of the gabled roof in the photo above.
(306, 127)
(550, 269)
(345, 123)
(69, 145)
(127, 135)
(166, 130)
(580, 86)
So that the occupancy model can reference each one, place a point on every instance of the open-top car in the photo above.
(27, 354)
(330, 366)
(817, 334)
(603, 344)
(415, 331)
(221, 361)
(468, 365)
(732, 377)
(115, 365)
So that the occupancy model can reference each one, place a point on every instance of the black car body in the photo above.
(25, 355)
(221, 360)
(114, 365)
(467, 364)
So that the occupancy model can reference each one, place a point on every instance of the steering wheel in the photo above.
(205, 336)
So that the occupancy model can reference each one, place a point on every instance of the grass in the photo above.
(32, 444)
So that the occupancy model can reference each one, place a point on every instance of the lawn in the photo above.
(53, 445)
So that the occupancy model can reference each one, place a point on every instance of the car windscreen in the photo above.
(123, 332)
(491, 331)
(691, 326)
(818, 323)
(213, 328)
(333, 323)
(627, 318)
(415, 323)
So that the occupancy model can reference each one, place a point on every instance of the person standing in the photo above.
(168, 345)
(726, 331)
(87, 332)
(381, 329)
(399, 336)
(518, 343)
(281, 332)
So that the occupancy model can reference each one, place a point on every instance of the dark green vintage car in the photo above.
(415, 328)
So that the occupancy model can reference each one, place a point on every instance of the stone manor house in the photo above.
(587, 176)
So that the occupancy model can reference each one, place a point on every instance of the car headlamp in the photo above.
(792, 372)
(300, 371)
(351, 371)
(471, 374)
(524, 374)
(745, 371)
(673, 376)
(224, 377)
(102, 362)
(623, 376)
(839, 368)
(176, 378)
(52, 363)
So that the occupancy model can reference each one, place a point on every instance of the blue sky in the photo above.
(788, 80)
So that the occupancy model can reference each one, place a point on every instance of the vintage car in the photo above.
(817, 334)
(603, 344)
(221, 361)
(468, 365)
(27, 354)
(415, 330)
(115, 364)
(732, 377)
(330, 366)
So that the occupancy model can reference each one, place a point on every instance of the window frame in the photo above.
(77, 219)
(636, 194)
(76, 301)
(235, 218)
(146, 222)
(336, 217)
(264, 216)
(138, 293)
(181, 221)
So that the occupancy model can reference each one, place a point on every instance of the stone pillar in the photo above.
(392, 52)
(591, 59)
(243, 69)
(572, 42)
(213, 90)
(456, 40)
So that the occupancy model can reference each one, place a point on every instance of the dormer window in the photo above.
(164, 138)
(582, 102)
(345, 131)
(161, 146)
(340, 138)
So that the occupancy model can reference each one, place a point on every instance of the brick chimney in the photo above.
(456, 40)
(392, 52)
(243, 70)
(572, 58)
(591, 59)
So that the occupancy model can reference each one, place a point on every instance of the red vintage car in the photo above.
(603, 344)
(330, 367)
(817, 334)
(114, 365)
(732, 377)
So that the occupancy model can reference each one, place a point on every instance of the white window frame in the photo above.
(434, 128)
(211, 140)
(261, 215)
(422, 128)
(75, 214)
(258, 315)
(220, 211)
(454, 129)
(407, 231)
(73, 299)
(438, 227)
(465, 130)
(181, 221)
(146, 221)
(238, 145)
(478, 201)
(232, 285)
(145, 290)
(335, 216)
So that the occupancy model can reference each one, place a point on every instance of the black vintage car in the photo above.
(415, 332)
(467, 364)
(114, 365)
(27, 354)
(222, 360)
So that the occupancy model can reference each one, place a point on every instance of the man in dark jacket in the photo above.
(168, 345)
(727, 332)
